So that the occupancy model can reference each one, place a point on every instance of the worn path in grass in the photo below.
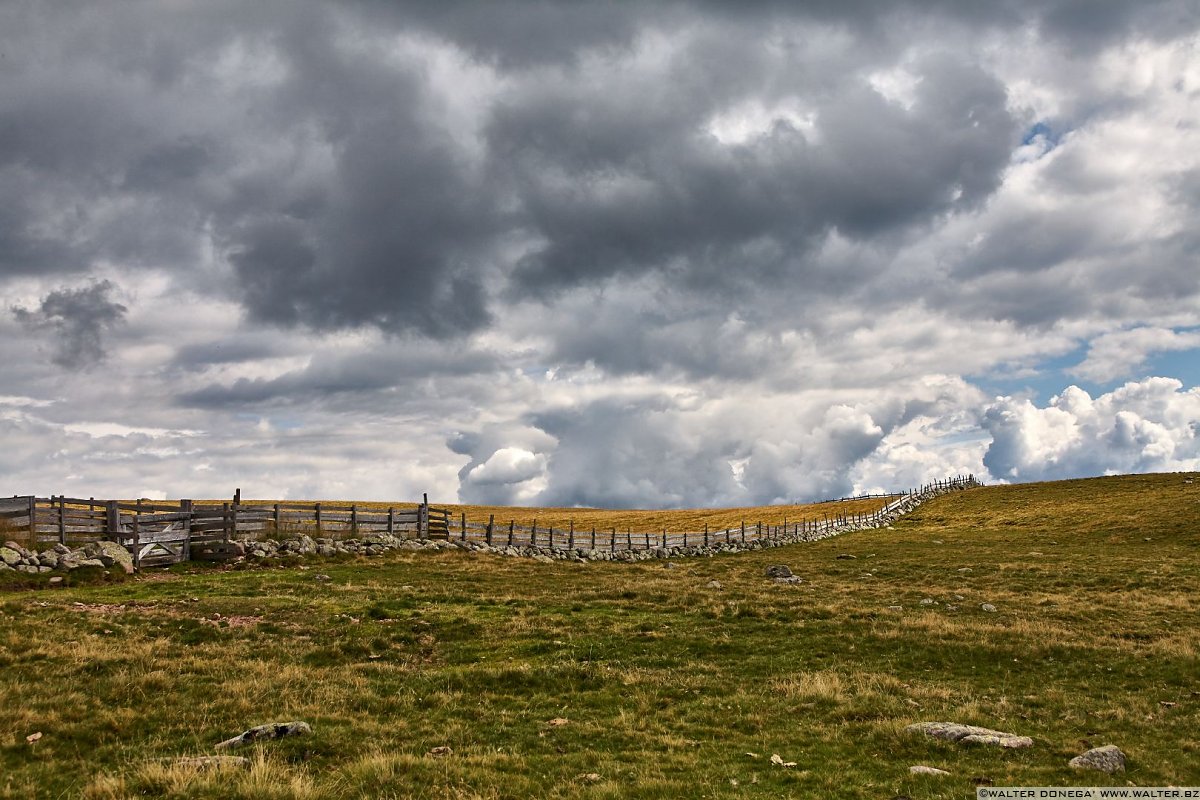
(670, 688)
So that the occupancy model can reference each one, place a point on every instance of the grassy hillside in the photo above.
(670, 688)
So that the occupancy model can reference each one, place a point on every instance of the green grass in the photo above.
(667, 685)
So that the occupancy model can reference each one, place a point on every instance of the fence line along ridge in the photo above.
(163, 533)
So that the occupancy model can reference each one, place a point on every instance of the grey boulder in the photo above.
(969, 734)
(1108, 758)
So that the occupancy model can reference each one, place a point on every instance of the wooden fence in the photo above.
(163, 533)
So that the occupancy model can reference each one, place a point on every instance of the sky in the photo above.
(652, 254)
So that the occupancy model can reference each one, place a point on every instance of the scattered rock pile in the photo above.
(14, 556)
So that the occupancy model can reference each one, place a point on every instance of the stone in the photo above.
(921, 769)
(846, 557)
(988, 607)
(10, 556)
(57, 580)
(928, 601)
(273, 730)
(791, 580)
(969, 734)
(321, 577)
(1108, 758)
(111, 554)
(713, 585)
(61, 549)
(205, 763)
(895, 608)
(84, 562)
(49, 559)
(779, 571)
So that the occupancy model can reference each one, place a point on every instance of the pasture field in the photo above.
(669, 687)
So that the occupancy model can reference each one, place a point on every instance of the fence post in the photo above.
(230, 522)
(511, 526)
(533, 534)
(137, 540)
(551, 533)
(186, 507)
(593, 537)
(743, 531)
(706, 534)
(112, 519)
(647, 536)
(664, 537)
(277, 518)
(424, 522)
(628, 538)
(354, 518)
(491, 523)
(62, 522)
(462, 518)
(612, 540)
(571, 536)
(391, 521)
(317, 514)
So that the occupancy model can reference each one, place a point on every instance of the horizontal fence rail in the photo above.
(161, 533)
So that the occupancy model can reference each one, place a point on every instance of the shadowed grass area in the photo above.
(670, 688)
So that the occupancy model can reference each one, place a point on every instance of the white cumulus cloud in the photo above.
(1144, 426)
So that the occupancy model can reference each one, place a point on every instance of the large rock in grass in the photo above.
(10, 556)
(273, 730)
(969, 734)
(779, 571)
(1108, 758)
(111, 554)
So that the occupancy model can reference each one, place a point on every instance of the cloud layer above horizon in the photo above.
(655, 254)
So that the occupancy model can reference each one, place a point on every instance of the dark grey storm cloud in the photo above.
(617, 185)
(76, 321)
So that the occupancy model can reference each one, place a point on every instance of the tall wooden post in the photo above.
(491, 524)
(277, 517)
(391, 521)
(186, 507)
(137, 541)
(317, 514)
(230, 521)
(62, 523)
(571, 536)
(593, 547)
(354, 518)
(424, 522)
(112, 520)
(237, 497)
(462, 518)
(706, 534)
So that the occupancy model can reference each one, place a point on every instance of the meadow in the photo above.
(608, 680)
